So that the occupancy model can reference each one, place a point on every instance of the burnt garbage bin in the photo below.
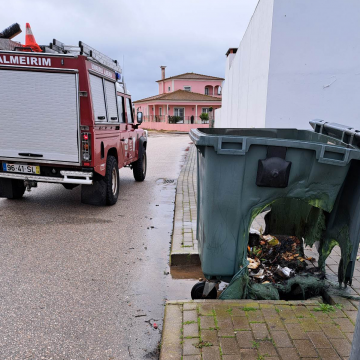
(243, 171)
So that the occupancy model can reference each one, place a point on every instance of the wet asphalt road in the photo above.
(84, 282)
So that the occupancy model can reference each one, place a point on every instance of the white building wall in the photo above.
(245, 87)
(315, 63)
(299, 60)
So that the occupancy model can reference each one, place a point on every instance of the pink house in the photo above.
(181, 102)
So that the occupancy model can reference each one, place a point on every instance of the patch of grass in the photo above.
(229, 311)
(256, 322)
(250, 309)
(277, 310)
(199, 328)
(339, 306)
(300, 316)
(255, 344)
(325, 308)
(202, 344)
(260, 357)
(191, 337)
(221, 352)
(188, 322)
(215, 320)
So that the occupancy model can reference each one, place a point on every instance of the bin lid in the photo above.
(334, 143)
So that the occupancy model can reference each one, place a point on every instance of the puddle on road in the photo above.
(176, 282)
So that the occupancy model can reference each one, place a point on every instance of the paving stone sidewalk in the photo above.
(262, 330)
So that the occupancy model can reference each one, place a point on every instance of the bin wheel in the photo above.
(198, 289)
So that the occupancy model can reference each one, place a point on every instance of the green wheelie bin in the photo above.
(243, 171)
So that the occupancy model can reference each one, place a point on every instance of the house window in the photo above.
(206, 91)
(169, 88)
(160, 111)
(180, 113)
(205, 110)
(187, 88)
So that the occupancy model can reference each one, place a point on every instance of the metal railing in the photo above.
(175, 119)
(154, 118)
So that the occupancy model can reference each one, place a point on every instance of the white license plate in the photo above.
(21, 168)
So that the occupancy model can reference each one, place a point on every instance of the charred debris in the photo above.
(279, 262)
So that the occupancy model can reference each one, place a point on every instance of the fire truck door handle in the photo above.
(101, 117)
(30, 155)
(114, 118)
(122, 139)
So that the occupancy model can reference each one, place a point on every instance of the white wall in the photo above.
(299, 60)
(315, 63)
(245, 88)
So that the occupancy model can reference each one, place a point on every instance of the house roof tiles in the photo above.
(180, 95)
(192, 76)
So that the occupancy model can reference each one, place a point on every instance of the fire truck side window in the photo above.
(111, 101)
(120, 101)
(129, 111)
(98, 98)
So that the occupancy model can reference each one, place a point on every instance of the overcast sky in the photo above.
(184, 35)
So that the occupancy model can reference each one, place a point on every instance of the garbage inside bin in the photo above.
(278, 269)
(243, 171)
(276, 258)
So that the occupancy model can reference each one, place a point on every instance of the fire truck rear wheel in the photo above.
(112, 180)
(12, 189)
(139, 167)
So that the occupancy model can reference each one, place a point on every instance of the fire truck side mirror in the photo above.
(139, 117)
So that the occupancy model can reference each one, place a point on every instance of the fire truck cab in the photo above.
(67, 118)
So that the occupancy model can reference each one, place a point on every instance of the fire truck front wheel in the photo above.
(139, 167)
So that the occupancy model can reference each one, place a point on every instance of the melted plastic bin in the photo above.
(242, 171)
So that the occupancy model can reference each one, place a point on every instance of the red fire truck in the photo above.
(67, 118)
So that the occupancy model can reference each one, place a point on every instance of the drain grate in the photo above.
(163, 181)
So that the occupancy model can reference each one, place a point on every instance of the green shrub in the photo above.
(204, 116)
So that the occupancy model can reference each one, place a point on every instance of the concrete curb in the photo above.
(170, 345)
(184, 250)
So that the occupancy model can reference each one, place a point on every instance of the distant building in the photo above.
(181, 101)
(299, 60)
